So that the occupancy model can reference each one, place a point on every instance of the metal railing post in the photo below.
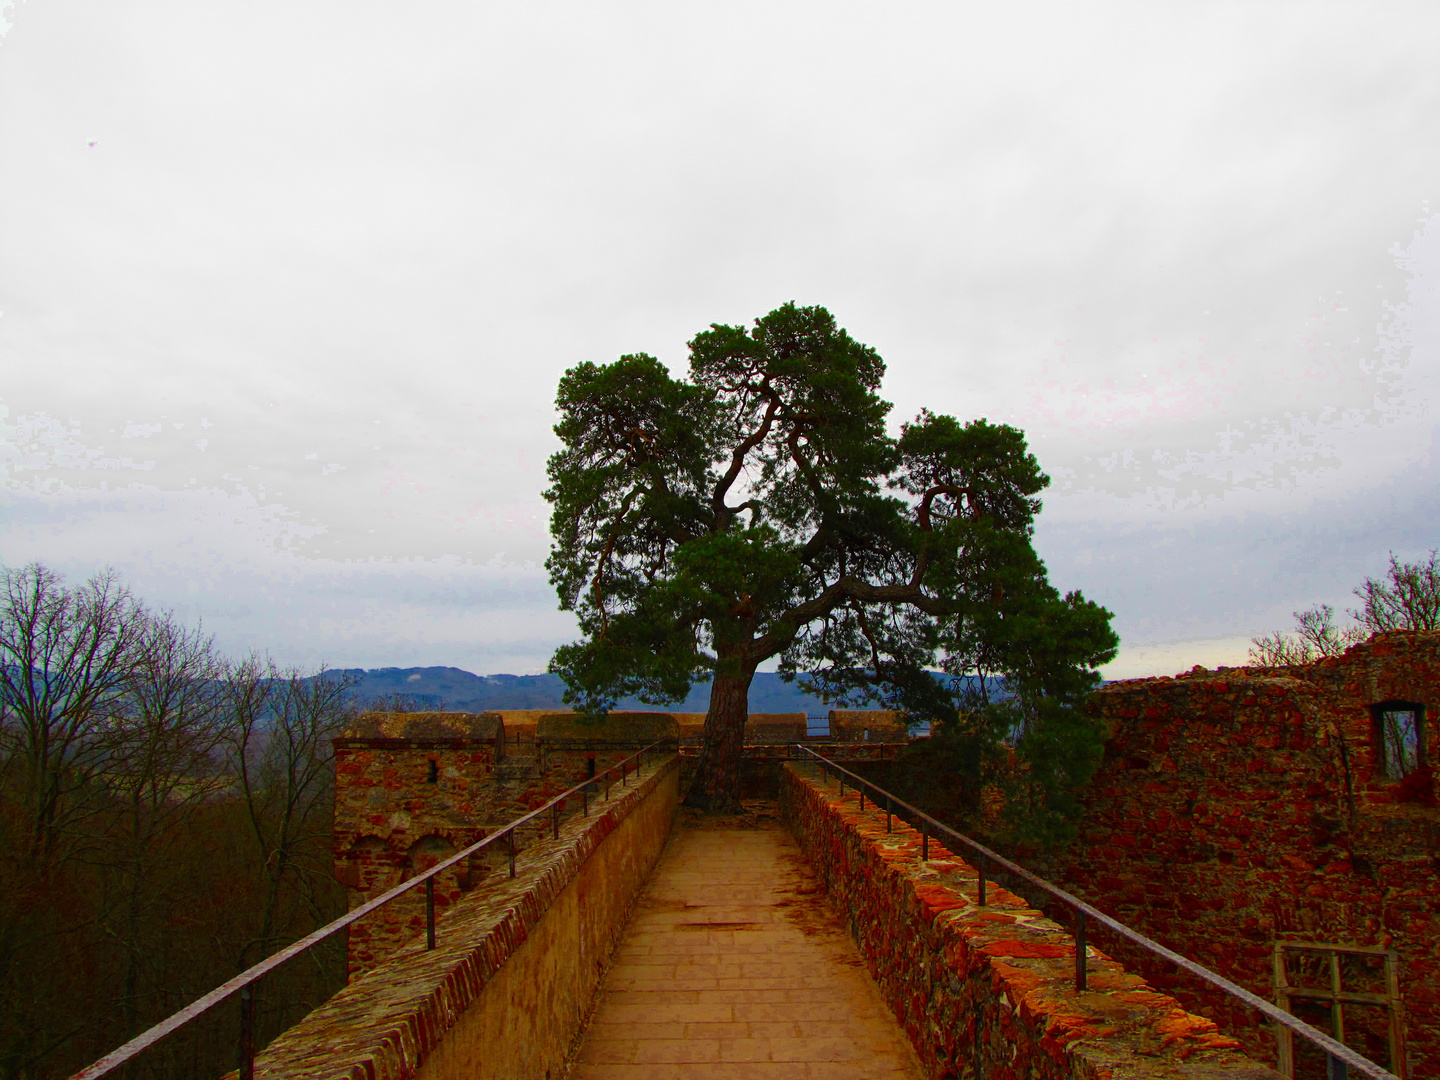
(247, 1032)
(981, 867)
(1335, 1069)
(1080, 950)
(555, 821)
(888, 812)
(862, 800)
(510, 835)
(430, 912)
(924, 841)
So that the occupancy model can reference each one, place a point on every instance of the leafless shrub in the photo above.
(1316, 636)
(1409, 599)
(67, 660)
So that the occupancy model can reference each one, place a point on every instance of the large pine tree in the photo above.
(761, 510)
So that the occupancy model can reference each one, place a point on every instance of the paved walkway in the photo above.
(734, 965)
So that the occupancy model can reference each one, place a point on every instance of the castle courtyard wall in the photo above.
(1242, 808)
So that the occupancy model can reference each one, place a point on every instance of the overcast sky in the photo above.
(287, 287)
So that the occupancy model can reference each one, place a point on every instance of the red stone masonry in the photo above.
(411, 789)
(389, 1021)
(989, 992)
(1243, 807)
(568, 749)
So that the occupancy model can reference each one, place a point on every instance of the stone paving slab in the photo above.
(735, 966)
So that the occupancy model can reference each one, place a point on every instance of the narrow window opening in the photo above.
(1399, 738)
(434, 777)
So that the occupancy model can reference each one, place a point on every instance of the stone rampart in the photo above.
(989, 991)
(515, 967)
(1243, 809)
(869, 725)
(569, 748)
(760, 768)
(412, 789)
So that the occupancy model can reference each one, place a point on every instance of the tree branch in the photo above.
(785, 627)
(723, 513)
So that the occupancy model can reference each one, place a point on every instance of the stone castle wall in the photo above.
(412, 789)
(988, 991)
(515, 966)
(1240, 808)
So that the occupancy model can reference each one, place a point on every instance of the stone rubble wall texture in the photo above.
(1241, 807)
(412, 789)
(760, 768)
(989, 992)
(879, 725)
(515, 966)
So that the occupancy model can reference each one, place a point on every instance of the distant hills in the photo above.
(451, 689)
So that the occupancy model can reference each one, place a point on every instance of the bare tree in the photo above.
(1316, 636)
(1411, 600)
(165, 757)
(404, 703)
(66, 658)
(280, 725)
(164, 816)
(1408, 600)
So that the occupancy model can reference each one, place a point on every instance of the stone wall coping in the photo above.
(385, 1023)
(417, 726)
(1119, 1028)
(355, 742)
(840, 751)
(617, 728)
(873, 719)
(1208, 681)
(1379, 646)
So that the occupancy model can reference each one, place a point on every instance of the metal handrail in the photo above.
(245, 981)
(1337, 1053)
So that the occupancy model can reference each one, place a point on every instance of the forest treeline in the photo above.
(165, 822)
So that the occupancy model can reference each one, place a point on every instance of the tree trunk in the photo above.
(716, 787)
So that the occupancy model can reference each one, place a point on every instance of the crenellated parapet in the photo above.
(411, 789)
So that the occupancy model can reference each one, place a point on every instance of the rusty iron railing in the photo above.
(1338, 1057)
(244, 983)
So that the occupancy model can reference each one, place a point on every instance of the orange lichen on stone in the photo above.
(1032, 950)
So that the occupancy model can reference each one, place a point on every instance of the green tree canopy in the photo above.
(760, 510)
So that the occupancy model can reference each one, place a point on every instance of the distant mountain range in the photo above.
(451, 689)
